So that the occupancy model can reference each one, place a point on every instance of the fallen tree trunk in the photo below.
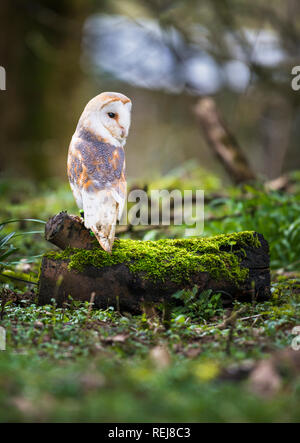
(137, 272)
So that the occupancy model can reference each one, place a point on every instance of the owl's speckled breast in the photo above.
(94, 164)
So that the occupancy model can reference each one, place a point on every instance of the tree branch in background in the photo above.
(222, 142)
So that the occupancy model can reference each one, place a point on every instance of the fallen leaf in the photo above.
(92, 381)
(23, 405)
(160, 356)
(193, 352)
(264, 379)
(119, 338)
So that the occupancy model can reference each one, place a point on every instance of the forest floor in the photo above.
(210, 364)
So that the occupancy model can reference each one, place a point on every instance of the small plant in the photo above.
(198, 306)
(7, 248)
(276, 215)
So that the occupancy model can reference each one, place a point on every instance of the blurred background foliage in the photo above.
(163, 54)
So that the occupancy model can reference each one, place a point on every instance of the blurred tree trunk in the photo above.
(275, 131)
(222, 142)
(40, 50)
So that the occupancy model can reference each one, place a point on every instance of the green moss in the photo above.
(173, 259)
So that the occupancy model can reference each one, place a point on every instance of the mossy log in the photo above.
(235, 265)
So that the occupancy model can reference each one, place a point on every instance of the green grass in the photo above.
(82, 365)
(79, 364)
(103, 390)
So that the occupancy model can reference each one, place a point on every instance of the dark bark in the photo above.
(64, 230)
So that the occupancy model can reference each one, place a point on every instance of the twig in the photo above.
(252, 316)
(232, 318)
(91, 303)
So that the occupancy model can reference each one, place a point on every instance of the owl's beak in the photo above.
(123, 132)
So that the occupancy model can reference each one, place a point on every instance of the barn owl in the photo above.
(96, 164)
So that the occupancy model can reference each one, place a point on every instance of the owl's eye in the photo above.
(111, 114)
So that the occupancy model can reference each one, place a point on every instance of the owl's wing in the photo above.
(96, 172)
(75, 171)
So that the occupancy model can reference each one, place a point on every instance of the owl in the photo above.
(96, 164)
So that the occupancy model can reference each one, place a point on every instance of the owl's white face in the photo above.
(115, 117)
(108, 116)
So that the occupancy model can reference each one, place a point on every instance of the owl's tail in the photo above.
(100, 215)
(105, 236)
